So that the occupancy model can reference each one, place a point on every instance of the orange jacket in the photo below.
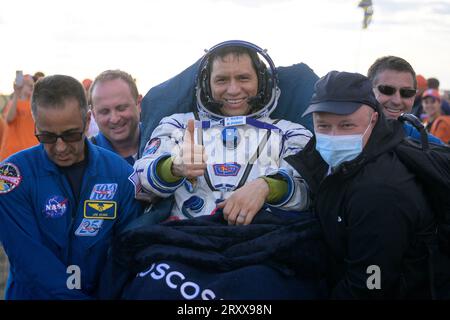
(441, 128)
(3, 131)
(20, 131)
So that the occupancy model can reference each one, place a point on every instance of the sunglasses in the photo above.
(389, 91)
(50, 138)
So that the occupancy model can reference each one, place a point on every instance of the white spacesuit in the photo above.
(239, 149)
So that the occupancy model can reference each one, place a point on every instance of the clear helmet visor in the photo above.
(265, 101)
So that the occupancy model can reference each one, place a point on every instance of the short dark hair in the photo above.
(37, 75)
(109, 75)
(433, 83)
(53, 91)
(390, 63)
(237, 51)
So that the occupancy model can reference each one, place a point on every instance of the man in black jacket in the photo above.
(373, 212)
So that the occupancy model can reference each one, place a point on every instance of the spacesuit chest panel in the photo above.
(237, 153)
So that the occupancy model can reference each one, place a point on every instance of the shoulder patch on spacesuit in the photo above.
(152, 146)
(10, 177)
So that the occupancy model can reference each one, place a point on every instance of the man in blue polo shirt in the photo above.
(115, 104)
(62, 201)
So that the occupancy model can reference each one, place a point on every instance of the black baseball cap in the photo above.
(342, 93)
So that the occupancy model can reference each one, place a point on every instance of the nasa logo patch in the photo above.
(9, 177)
(55, 207)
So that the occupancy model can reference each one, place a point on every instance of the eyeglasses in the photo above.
(389, 91)
(51, 138)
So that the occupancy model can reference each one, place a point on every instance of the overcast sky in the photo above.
(156, 39)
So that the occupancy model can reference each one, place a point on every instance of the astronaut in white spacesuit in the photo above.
(228, 154)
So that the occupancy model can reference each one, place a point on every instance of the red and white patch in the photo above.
(10, 177)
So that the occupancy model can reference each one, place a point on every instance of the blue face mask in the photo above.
(338, 149)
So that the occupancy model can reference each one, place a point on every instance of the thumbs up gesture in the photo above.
(190, 162)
